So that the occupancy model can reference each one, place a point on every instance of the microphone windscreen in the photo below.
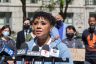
(7, 51)
(45, 51)
(35, 48)
(35, 51)
(55, 48)
(54, 52)
(24, 46)
(46, 47)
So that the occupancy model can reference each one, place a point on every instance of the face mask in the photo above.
(59, 24)
(26, 26)
(92, 28)
(6, 34)
(70, 35)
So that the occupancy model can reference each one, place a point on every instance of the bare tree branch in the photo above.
(23, 8)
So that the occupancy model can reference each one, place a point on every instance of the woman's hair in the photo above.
(4, 27)
(45, 15)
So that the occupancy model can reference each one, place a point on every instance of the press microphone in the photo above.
(2, 59)
(35, 48)
(24, 46)
(45, 51)
(34, 52)
(54, 52)
(23, 49)
(7, 51)
(22, 52)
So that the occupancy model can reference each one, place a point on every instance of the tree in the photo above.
(64, 13)
(23, 8)
(52, 4)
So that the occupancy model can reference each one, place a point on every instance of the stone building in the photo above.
(78, 12)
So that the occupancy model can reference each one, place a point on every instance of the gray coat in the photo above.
(74, 43)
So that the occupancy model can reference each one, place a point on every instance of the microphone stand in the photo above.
(2, 59)
(43, 60)
(22, 61)
(33, 61)
(53, 60)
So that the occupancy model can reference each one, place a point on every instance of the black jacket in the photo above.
(20, 38)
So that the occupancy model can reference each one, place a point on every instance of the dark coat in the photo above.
(20, 38)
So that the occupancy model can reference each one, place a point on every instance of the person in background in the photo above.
(89, 40)
(31, 35)
(71, 41)
(60, 28)
(21, 35)
(42, 25)
(5, 39)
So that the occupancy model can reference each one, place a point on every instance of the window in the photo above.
(34, 1)
(69, 19)
(70, 3)
(90, 2)
(30, 15)
(5, 1)
(5, 18)
(92, 14)
(46, 2)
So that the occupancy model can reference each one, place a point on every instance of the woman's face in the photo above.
(5, 32)
(41, 27)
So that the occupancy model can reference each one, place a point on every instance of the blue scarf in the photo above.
(59, 26)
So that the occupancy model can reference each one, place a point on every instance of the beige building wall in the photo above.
(78, 8)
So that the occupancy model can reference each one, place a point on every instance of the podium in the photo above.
(34, 59)
(42, 59)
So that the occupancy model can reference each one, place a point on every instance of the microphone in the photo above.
(21, 53)
(45, 51)
(7, 51)
(54, 52)
(2, 59)
(24, 46)
(34, 52)
(35, 48)
(23, 49)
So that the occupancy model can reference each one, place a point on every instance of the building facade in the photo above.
(78, 12)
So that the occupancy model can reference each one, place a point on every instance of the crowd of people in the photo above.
(46, 29)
